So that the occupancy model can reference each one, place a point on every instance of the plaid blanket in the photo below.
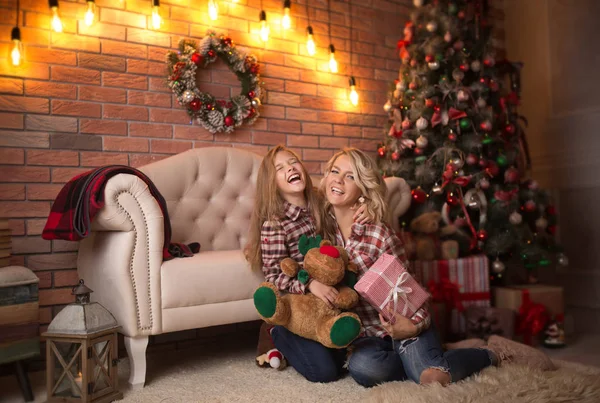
(82, 197)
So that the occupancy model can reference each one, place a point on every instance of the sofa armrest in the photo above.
(398, 200)
(121, 258)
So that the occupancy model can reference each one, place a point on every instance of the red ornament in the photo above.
(529, 206)
(418, 195)
(472, 159)
(227, 41)
(483, 163)
(381, 151)
(412, 86)
(211, 53)
(429, 102)
(413, 63)
(486, 125)
(551, 210)
(251, 113)
(482, 235)
(251, 94)
(197, 59)
(429, 58)
(208, 106)
(437, 108)
(551, 229)
(493, 168)
(494, 85)
(510, 129)
(195, 105)
(461, 14)
(464, 67)
(229, 121)
(452, 199)
(484, 80)
(254, 69)
(452, 136)
(511, 175)
(395, 156)
(418, 151)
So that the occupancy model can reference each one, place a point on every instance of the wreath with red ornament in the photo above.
(215, 115)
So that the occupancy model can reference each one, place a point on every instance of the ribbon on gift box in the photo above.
(532, 317)
(397, 290)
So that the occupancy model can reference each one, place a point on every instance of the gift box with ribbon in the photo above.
(485, 322)
(458, 283)
(389, 288)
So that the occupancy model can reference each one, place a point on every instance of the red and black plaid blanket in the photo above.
(82, 197)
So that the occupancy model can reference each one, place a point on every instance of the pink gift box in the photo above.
(388, 284)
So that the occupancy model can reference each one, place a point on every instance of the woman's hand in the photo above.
(400, 327)
(325, 292)
(362, 215)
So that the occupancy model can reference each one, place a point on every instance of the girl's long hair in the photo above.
(268, 203)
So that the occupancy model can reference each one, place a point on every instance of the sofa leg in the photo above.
(136, 350)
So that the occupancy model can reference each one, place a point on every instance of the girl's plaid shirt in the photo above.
(279, 239)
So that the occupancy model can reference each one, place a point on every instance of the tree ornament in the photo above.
(457, 163)
(188, 96)
(421, 123)
(209, 107)
(229, 121)
(464, 123)
(401, 85)
(515, 218)
(405, 124)
(251, 94)
(482, 235)
(433, 65)
(437, 189)
(494, 85)
(256, 102)
(452, 136)
(462, 96)
(422, 141)
(413, 63)
(498, 266)
(418, 3)
(448, 37)
(464, 67)
(501, 161)
(452, 199)
(395, 156)
(458, 45)
(510, 129)
(458, 74)
(541, 223)
(489, 61)
(562, 259)
(211, 53)
(484, 183)
(472, 159)
(551, 229)
(481, 103)
(195, 105)
(418, 151)
(476, 66)
(530, 206)
(512, 175)
(387, 106)
(492, 168)
(413, 85)
(429, 103)
(431, 26)
(486, 125)
(533, 185)
(461, 14)
(381, 151)
(197, 59)
(551, 210)
(483, 163)
(418, 195)
(429, 58)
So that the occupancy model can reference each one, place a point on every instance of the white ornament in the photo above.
(448, 37)
(256, 102)
(188, 96)
(418, 3)
(461, 172)
(401, 85)
(462, 96)
(484, 184)
(433, 65)
(422, 141)
(481, 103)
(533, 185)
(458, 75)
(457, 163)
(421, 123)
(476, 65)
(515, 218)
(431, 26)
(498, 266)
(562, 259)
(388, 106)
(541, 223)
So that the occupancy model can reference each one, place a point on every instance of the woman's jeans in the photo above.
(375, 360)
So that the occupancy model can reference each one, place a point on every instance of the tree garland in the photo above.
(215, 115)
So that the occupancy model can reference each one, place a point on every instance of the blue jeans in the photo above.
(311, 359)
(376, 360)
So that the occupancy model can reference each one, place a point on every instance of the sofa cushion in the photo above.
(206, 278)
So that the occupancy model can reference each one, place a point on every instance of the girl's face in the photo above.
(289, 175)
(340, 186)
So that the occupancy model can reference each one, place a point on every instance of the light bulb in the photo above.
(353, 93)
(56, 22)
(310, 43)
(156, 20)
(90, 14)
(333, 66)
(213, 9)
(264, 28)
(286, 21)
(17, 48)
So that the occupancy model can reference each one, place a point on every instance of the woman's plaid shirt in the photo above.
(365, 245)
(279, 239)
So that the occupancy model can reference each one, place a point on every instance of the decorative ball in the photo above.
(443, 79)
(422, 123)
(254, 69)
(483, 163)
(420, 160)
(431, 26)
(448, 37)
(437, 189)
(381, 151)
(476, 66)
(461, 172)
(541, 223)
(387, 106)
(486, 125)
(429, 58)
(484, 184)
(551, 210)
(502, 160)
(510, 129)
(229, 121)
(452, 136)
(494, 85)
(197, 59)
(396, 94)
(489, 61)
(461, 14)
(429, 103)
(512, 175)
(418, 195)
(464, 67)
(401, 85)
(481, 103)
(482, 235)
(395, 156)
(405, 124)
(452, 199)
(227, 41)
(493, 168)
(433, 65)
(418, 151)
(460, 222)
(530, 206)
(498, 266)
(462, 96)
(533, 185)
(457, 163)
(465, 123)
(515, 218)
(418, 3)
(551, 229)
(413, 85)
(422, 141)
(562, 259)
(472, 159)
(458, 45)
(251, 94)
(208, 106)
(474, 203)
(211, 53)
(458, 74)
(255, 102)
(188, 96)
(413, 63)
(195, 105)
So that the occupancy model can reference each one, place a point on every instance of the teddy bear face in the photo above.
(325, 264)
(428, 223)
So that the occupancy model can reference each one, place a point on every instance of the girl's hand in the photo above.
(362, 215)
(325, 292)
(400, 327)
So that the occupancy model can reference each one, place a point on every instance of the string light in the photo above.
(156, 20)
(213, 9)
(286, 21)
(264, 28)
(353, 93)
(90, 14)
(55, 22)
(333, 66)
(16, 53)
(310, 43)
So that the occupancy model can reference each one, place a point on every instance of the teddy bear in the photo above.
(305, 314)
(426, 231)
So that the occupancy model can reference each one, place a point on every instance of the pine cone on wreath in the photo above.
(216, 119)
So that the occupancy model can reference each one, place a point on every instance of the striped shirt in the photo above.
(279, 239)
(364, 246)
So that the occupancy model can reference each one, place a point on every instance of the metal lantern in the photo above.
(81, 352)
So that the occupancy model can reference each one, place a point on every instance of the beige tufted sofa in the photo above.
(209, 194)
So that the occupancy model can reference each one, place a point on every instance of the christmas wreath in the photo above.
(215, 115)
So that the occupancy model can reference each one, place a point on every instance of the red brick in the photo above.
(12, 156)
(14, 103)
(192, 133)
(158, 84)
(333, 117)
(26, 70)
(25, 174)
(268, 138)
(65, 278)
(302, 62)
(103, 127)
(125, 144)
(148, 37)
(331, 92)
(59, 245)
(149, 99)
(139, 160)
(170, 146)
(124, 80)
(288, 73)
(300, 88)
(35, 226)
(176, 116)
(45, 157)
(53, 261)
(302, 141)
(347, 131)
(365, 145)
(274, 84)
(101, 62)
(101, 94)
(50, 123)
(372, 133)
(75, 75)
(74, 108)
(280, 98)
(50, 89)
(56, 296)
(316, 155)
(333, 142)
(98, 159)
(24, 139)
(45, 314)
(73, 141)
(36, 54)
(119, 17)
(17, 260)
(217, 91)
(62, 175)
(147, 68)
(101, 30)
(313, 167)
(150, 130)
(124, 48)
(285, 126)
(43, 192)
(11, 85)
(12, 191)
(11, 120)
(317, 77)
(45, 280)
(316, 102)
(241, 135)
(125, 112)
(174, 27)
(301, 114)
(272, 111)
(76, 42)
(29, 244)
(17, 227)
(316, 128)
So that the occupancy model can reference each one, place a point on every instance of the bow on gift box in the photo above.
(447, 292)
(532, 318)
(398, 290)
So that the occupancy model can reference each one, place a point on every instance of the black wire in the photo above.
(329, 19)
(18, 9)
(307, 16)
(351, 38)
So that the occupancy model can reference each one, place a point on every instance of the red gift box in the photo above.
(389, 288)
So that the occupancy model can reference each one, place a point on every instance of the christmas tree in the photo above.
(455, 135)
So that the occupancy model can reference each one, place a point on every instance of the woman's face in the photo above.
(289, 175)
(340, 186)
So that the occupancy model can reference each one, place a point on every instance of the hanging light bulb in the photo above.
(333, 67)
(286, 21)
(353, 93)
(90, 14)
(156, 20)
(264, 28)
(213, 9)
(55, 22)
(16, 53)
(310, 42)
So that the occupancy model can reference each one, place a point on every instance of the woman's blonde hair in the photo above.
(268, 203)
(369, 181)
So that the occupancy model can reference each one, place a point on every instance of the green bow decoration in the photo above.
(306, 243)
